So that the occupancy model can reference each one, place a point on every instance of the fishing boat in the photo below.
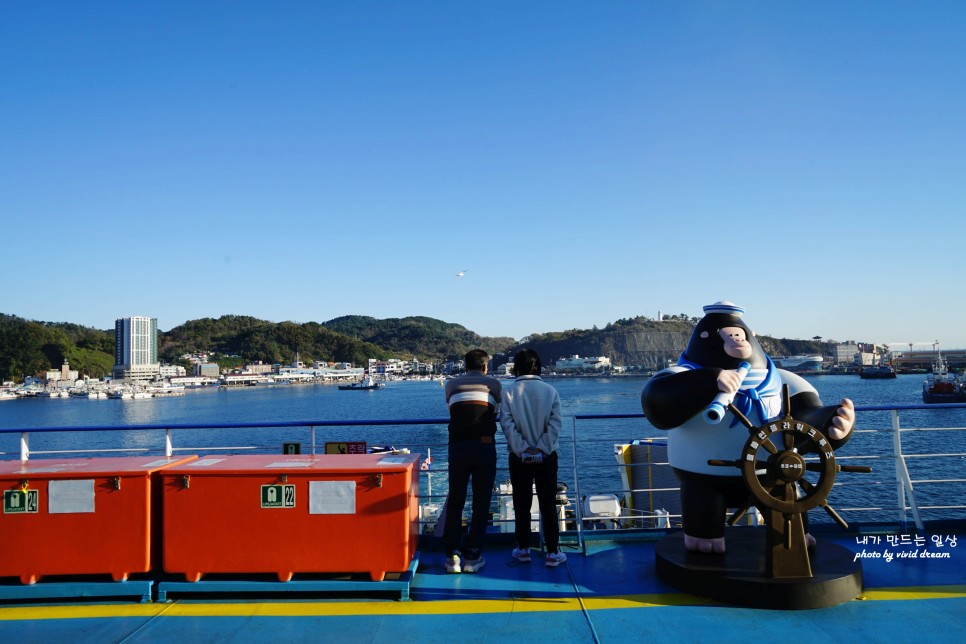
(878, 372)
(942, 386)
(164, 390)
(363, 385)
(907, 533)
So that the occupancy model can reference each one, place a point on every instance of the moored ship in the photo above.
(942, 386)
(799, 364)
(877, 372)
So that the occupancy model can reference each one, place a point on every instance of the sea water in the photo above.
(592, 462)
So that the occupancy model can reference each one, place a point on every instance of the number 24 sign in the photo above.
(20, 501)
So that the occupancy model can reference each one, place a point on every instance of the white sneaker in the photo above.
(522, 554)
(554, 559)
(453, 564)
(472, 565)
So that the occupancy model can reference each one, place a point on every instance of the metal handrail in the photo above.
(905, 485)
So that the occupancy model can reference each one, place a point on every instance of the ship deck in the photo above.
(607, 594)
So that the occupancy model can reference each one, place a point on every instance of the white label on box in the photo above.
(205, 462)
(332, 497)
(70, 497)
(163, 461)
(286, 464)
(394, 460)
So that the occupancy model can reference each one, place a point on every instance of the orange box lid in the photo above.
(72, 467)
(293, 463)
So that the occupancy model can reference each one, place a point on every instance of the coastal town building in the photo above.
(576, 363)
(397, 367)
(845, 353)
(136, 348)
(258, 367)
(63, 375)
(320, 370)
(172, 371)
(207, 369)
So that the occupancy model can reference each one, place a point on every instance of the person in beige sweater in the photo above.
(531, 421)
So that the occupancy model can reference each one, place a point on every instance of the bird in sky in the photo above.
(459, 275)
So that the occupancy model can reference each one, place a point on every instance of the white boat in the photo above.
(798, 364)
(53, 393)
(363, 385)
(162, 391)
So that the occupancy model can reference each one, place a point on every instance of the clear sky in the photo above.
(581, 161)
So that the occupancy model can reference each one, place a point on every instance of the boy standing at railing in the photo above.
(473, 400)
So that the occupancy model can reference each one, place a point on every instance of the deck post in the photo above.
(24, 446)
(903, 481)
(578, 511)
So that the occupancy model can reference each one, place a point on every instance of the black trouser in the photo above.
(522, 477)
(469, 460)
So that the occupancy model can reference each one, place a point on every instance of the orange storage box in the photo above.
(80, 516)
(286, 514)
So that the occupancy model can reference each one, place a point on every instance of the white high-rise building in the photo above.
(136, 348)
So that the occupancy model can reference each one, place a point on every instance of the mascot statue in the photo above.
(724, 362)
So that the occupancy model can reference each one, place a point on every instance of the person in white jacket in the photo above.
(531, 421)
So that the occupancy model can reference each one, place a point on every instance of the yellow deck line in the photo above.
(442, 607)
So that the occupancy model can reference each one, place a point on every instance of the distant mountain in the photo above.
(270, 342)
(644, 342)
(638, 341)
(417, 336)
(29, 348)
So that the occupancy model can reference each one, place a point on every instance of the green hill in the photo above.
(425, 338)
(29, 348)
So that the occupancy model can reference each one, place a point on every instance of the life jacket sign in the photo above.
(278, 496)
(20, 501)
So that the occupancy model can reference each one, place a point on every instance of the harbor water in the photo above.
(592, 461)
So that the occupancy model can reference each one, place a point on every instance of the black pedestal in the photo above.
(738, 576)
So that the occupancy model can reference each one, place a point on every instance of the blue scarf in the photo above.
(758, 384)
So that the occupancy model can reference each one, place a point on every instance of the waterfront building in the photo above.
(136, 348)
(845, 353)
(925, 359)
(576, 363)
(207, 369)
(64, 374)
(258, 367)
(172, 371)
(391, 367)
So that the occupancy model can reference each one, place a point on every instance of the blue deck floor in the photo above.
(610, 594)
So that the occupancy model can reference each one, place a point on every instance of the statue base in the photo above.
(738, 575)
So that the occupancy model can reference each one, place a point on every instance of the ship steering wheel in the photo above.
(774, 468)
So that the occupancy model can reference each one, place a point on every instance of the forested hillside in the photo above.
(418, 336)
(29, 348)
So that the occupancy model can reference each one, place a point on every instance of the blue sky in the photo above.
(583, 162)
